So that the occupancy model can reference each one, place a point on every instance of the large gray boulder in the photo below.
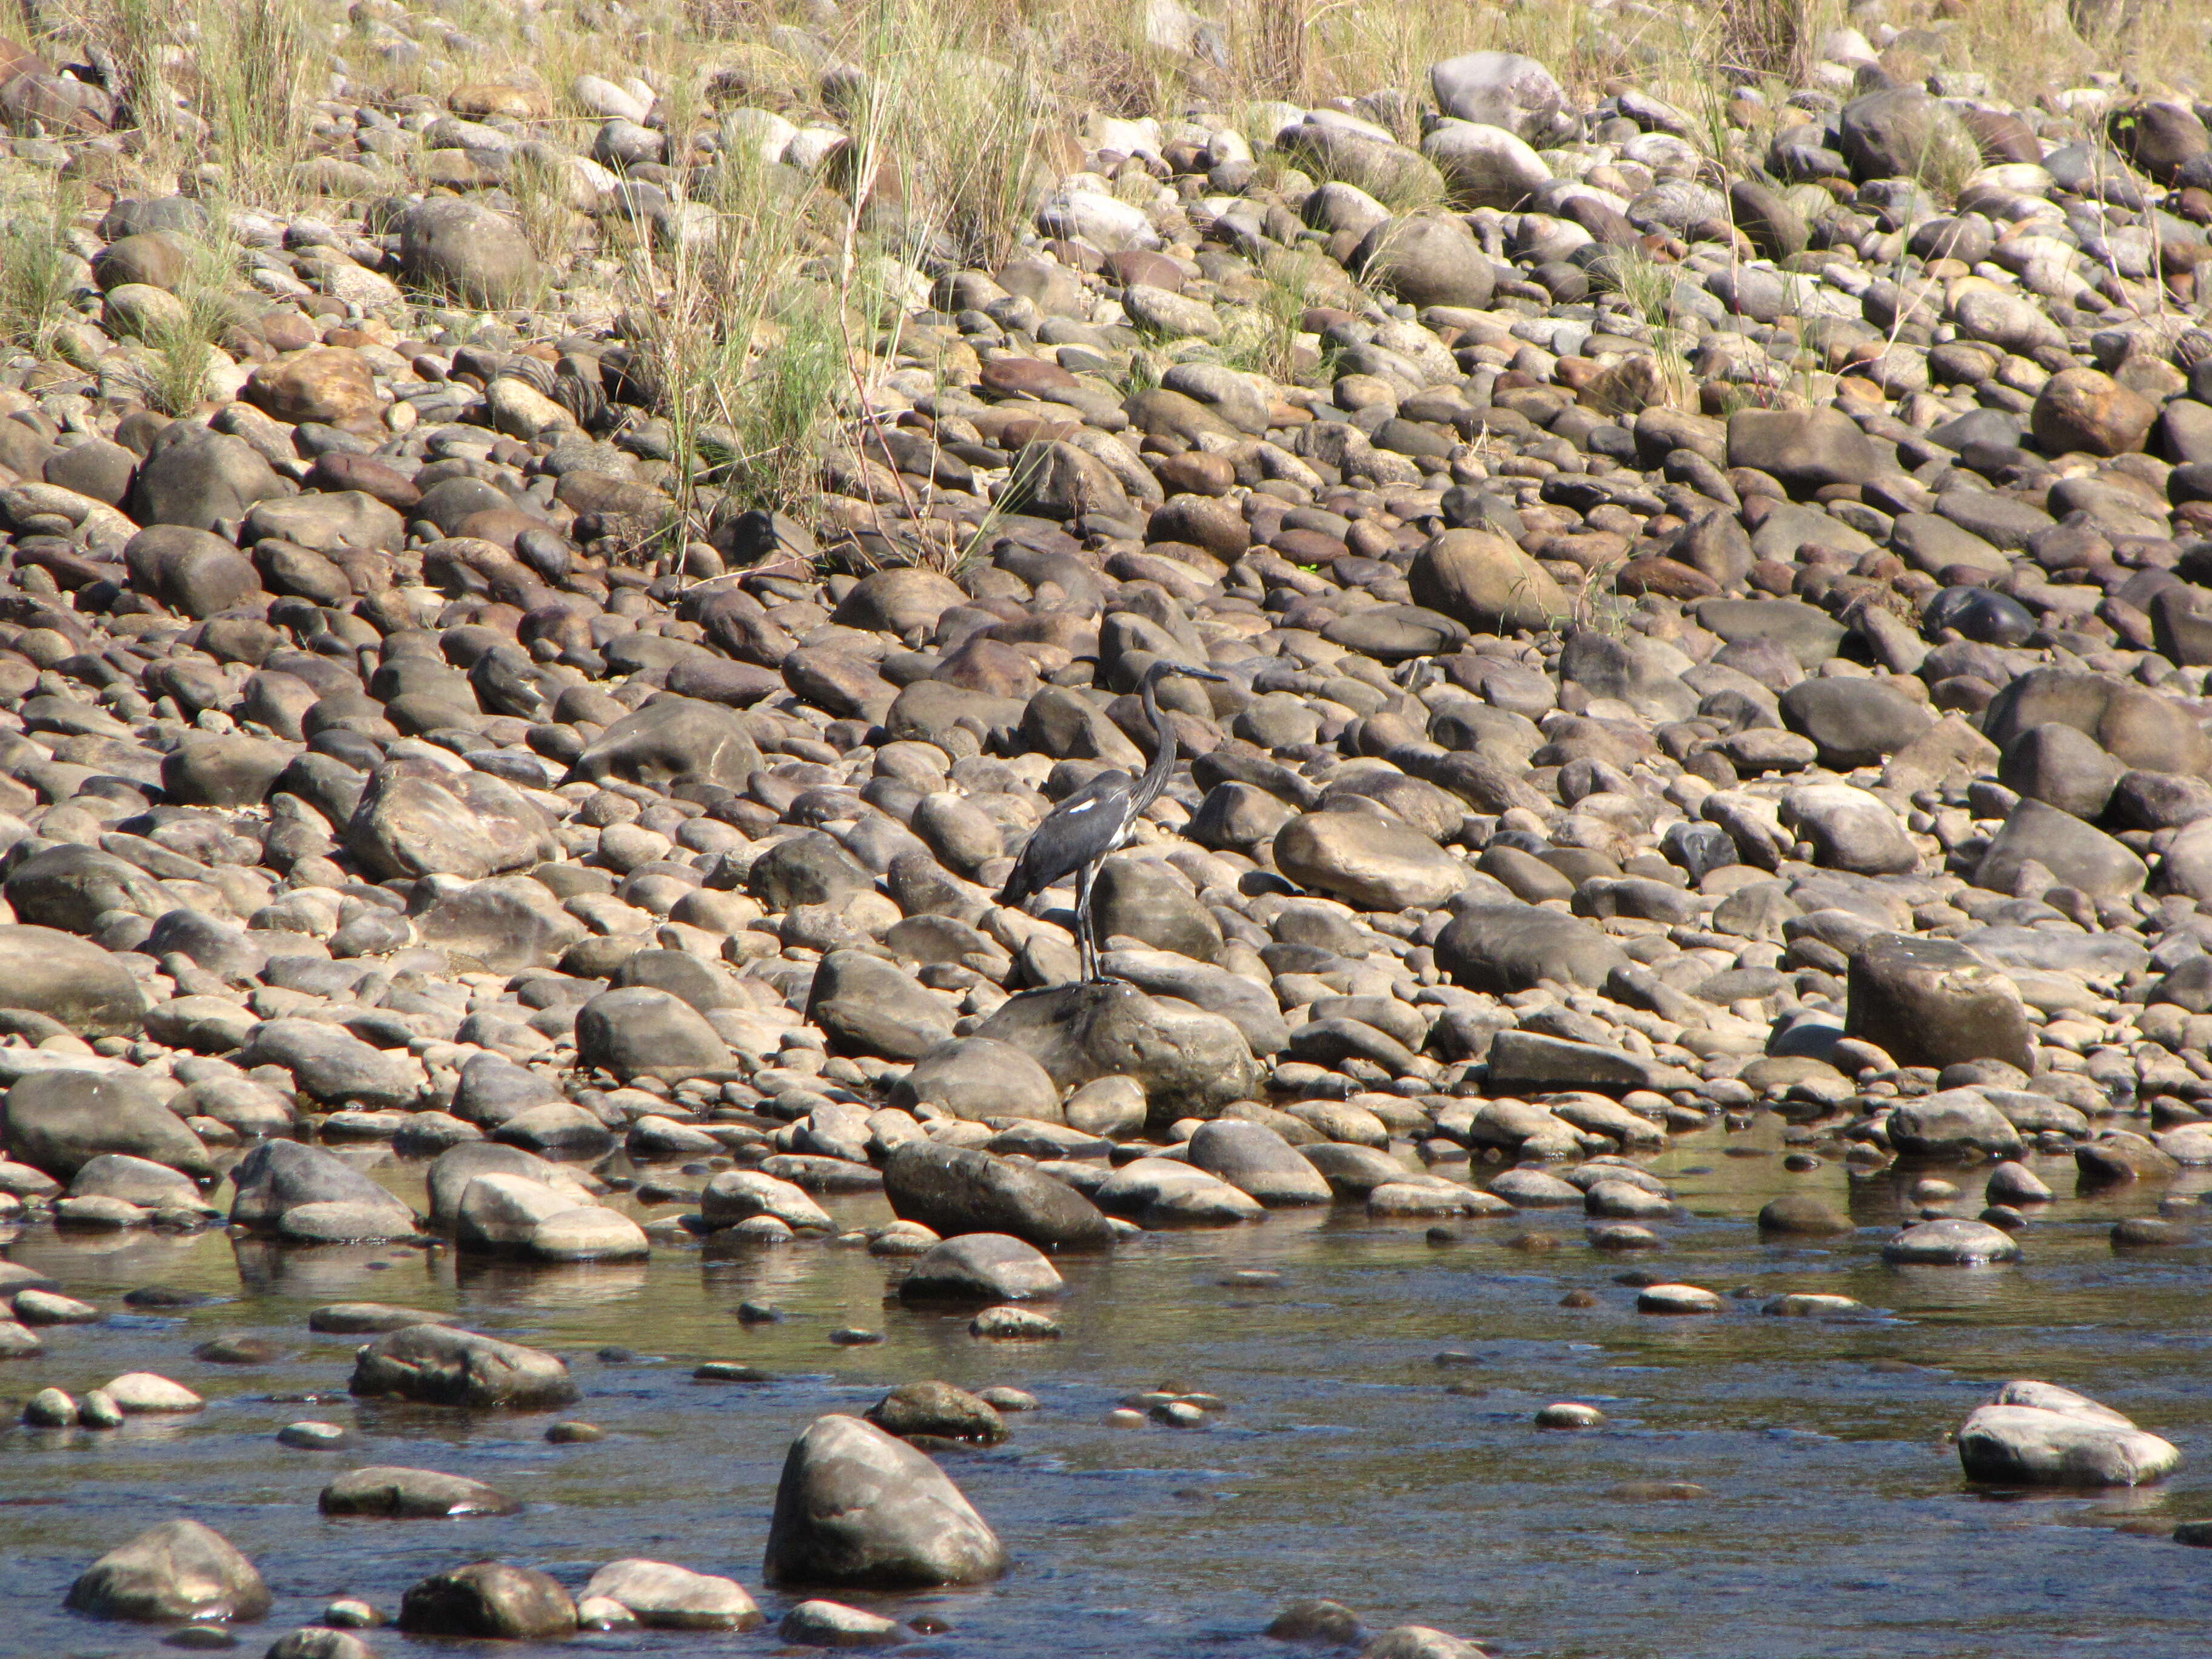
(977, 1078)
(671, 740)
(865, 1004)
(1499, 89)
(500, 926)
(200, 479)
(1933, 1002)
(59, 1121)
(177, 1571)
(513, 1214)
(2077, 853)
(661, 1596)
(1952, 1123)
(2037, 1434)
(1426, 260)
(1950, 1242)
(1256, 1161)
(437, 1365)
(953, 1190)
(857, 1508)
(1158, 1193)
(46, 971)
(980, 1267)
(305, 1192)
(70, 887)
(416, 818)
(331, 1064)
(640, 1032)
(1190, 1064)
(1504, 948)
(1369, 862)
(451, 1172)
(464, 249)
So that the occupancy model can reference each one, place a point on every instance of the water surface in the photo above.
(1835, 1523)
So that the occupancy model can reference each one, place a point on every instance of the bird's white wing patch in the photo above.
(1081, 807)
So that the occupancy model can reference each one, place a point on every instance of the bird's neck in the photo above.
(1164, 748)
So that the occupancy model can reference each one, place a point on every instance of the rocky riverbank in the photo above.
(1710, 605)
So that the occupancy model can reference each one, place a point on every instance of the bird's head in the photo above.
(1164, 669)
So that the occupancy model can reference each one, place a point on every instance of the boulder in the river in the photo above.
(980, 1267)
(1950, 1242)
(856, 1507)
(412, 1494)
(661, 1596)
(2037, 1434)
(177, 1571)
(489, 1601)
(438, 1365)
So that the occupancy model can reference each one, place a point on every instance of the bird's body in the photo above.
(1097, 820)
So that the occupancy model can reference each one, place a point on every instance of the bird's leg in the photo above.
(1086, 946)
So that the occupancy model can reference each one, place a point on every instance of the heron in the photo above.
(1076, 836)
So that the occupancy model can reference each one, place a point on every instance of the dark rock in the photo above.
(437, 1365)
(640, 1032)
(488, 1600)
(955, 1190)
(411, 1493)
(1932, 1002)
(939, 1410)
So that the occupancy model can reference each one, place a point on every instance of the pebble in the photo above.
(1010, 1323)
(1568, 1414)
(574, 1434)
(315, 1437)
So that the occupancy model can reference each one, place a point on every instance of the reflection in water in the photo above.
(268, 1267)
(489, 1283)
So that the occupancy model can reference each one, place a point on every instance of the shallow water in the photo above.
(1835, 1522)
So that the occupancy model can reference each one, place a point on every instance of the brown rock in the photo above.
(1020, 377)
(323, 384)
(2082, 409)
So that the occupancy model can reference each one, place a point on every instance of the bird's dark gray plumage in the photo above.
(1099, 818)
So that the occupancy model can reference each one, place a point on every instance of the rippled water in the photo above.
(1834, 1520)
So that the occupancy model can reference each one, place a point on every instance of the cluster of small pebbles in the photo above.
(1707, 627)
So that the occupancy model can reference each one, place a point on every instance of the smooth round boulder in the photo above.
(46, 971)
(1950, 1243)
(661, 1596)
(980, 1267)
(856, 1507)
(177, 1571)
